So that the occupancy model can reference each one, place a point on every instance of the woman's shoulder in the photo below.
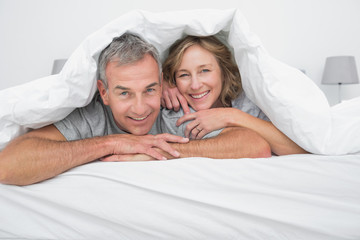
(243, 103)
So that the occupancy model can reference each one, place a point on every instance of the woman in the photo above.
(203, 70)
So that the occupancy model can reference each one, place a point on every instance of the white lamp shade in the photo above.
(58, 65)
(340, 70)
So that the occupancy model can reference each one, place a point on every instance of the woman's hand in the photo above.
(173, 99)
(205, 121)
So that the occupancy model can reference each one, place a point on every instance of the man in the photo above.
(128, 102)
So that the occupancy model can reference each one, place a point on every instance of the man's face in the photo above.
(133, 94)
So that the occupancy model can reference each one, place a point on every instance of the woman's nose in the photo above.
(195, 83)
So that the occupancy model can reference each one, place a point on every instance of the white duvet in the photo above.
(308, 197)
(290, 99)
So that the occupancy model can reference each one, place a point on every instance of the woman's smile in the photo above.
(200, 95)
(199, 78)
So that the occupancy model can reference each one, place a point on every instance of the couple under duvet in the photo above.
(204, 113)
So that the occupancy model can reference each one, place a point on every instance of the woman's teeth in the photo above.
(200, 95)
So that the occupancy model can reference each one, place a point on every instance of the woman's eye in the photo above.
(205, 70)
(183, 75)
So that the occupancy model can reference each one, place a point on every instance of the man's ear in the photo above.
(103, 92)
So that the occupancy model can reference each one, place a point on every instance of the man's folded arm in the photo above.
(45, 153)
(233, 142)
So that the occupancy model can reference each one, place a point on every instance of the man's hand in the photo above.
(126, 144)
(173, 99)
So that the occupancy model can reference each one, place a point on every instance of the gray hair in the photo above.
(126, 49)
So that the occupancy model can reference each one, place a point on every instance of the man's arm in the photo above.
(233, 142)
(45, 153)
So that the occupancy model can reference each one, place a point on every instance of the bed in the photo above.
(310, 196)
(288, 197)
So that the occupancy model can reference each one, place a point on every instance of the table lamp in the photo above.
(340, 70)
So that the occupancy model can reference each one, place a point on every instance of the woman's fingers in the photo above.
(186, 117)
(192, 129)
(183, 103)
(173, 99)
(167, 101)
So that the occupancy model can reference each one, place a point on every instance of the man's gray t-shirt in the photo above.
(96, 119)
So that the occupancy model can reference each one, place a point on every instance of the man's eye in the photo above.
(149, 90)
(124, 93)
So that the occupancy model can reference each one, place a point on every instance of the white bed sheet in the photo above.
(288, 197)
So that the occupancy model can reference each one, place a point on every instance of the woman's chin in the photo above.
(199, 107)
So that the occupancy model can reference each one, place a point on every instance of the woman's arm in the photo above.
(217, 118)
(280, 144)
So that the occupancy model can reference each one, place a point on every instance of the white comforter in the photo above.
(290, 99)
(289, 197)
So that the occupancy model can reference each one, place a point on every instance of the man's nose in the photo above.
(139, 106)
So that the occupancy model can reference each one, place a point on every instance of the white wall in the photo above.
(301, 33)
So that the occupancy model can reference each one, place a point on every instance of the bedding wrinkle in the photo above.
(198, 203)
(15, 197)
(195, 197)
(50, 207)
(291, 198)
(341, 166)
(205, 202)
(270, 192)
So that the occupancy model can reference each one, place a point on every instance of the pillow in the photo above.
(290, 99)
(345, 120)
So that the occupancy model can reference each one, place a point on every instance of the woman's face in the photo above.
(199, 78)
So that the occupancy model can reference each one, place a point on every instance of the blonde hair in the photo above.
(231, 84)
